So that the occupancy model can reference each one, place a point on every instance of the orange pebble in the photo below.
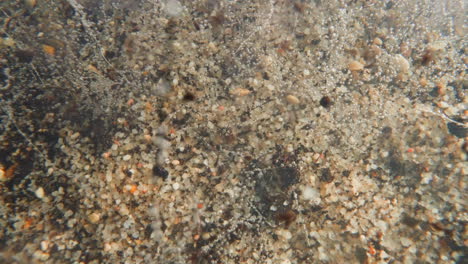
(48, 49)
(199, 205)
(10, 171)
(27, 223)
(372, 250)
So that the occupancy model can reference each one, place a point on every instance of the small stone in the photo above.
(126, 157)
(326, 101)
(240, 91)
(48, 49)
(124, 210)
(44, 245)
(310, 193)
(176, 186)
(39, 193)
(423, 82)
(160, 172)
(162, 88)
(285, 234)
(94, 217)
(30, 3)
(326, 175)
(212, 47)
(377, 41)
(292, 99)
(206, 236)
(402, 63)
(356, 66)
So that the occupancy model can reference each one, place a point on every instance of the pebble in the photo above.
(48, 49)
(126, 157)
(377, 41)
(356, 66)
(240, 91)
(39, 193)
(30, 3)
(124, 210)
(176, 186)
(94, 217)
(292, 99)
(44, 245)
(310, 193)
(402, 63)
(284, 234)
(206, 236)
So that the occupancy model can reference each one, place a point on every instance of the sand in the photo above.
(204, 131)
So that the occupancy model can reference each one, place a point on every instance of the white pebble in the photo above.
(310, 193)
(40, 193)
(402, 63)
(176, 186)
(126, 157)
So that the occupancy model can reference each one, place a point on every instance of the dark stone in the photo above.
(160, 172)
(326, 176)
(188, 97)
(326, 101)
(387, 130)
